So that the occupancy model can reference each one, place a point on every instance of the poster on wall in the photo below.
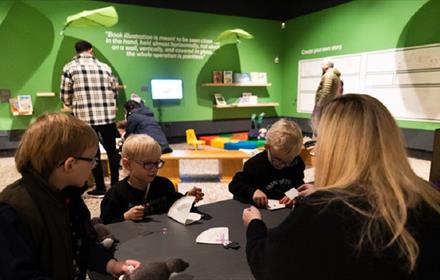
(406, 80)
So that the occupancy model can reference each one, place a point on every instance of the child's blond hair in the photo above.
(285, 136)
(51, 139)
(138, 145)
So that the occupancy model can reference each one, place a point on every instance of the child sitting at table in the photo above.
(269, 174)
(45, 230)
(142, 192)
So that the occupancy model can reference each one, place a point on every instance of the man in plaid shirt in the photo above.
(89, 89)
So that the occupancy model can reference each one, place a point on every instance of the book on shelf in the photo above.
(22, 105)
(242, 78)
(217, 77)
(13, 104)
(248, 98)
(258, 77)
(227, 77)
(219, 99)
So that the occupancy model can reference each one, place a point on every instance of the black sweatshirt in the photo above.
(318, 242)
(258, 173)
(122, 196)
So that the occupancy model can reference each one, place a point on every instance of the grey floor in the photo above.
(200, 173)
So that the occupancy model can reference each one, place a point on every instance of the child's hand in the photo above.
(117, 268)
(260, 198)
(197, 192)
(135, 213)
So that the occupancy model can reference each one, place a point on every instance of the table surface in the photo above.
(161, 238)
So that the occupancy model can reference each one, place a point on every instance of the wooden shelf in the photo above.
(45, 94)
(237, 105)
(236, 85)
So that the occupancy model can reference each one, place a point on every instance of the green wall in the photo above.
(33, 53)
(358, 26)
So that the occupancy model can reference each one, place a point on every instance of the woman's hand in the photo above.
(287, 201)
(305, 189)
(249, 214)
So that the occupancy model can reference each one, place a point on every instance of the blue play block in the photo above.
(240, 145)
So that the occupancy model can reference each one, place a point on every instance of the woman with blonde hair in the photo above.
(369, 216)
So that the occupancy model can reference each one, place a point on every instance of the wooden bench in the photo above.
(229, 162)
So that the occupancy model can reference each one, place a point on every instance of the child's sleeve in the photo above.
(113, 207)
(242, 186)
(163, 203)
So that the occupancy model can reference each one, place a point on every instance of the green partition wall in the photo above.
(33, 52)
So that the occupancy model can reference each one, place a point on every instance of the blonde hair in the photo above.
(139, 145)
(49, 140)
(285, 136)
(360, 154)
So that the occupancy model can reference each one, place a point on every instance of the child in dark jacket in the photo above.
(45, 230)
(269, 174)
(142, 192)
(140, 120)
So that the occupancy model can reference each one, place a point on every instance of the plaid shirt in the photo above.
(89, 88)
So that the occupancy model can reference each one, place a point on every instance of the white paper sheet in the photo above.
(273, 204)
(180, 210)
(216, 235)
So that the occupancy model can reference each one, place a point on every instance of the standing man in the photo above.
(329, 87)
(89, 89)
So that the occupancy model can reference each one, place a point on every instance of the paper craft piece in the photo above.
(273, 204)
(180, 211)
(292, 193)
(215, 235)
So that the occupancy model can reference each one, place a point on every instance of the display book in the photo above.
(21, 105)
(230, 78)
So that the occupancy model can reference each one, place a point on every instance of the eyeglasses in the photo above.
(277, 161)
(149, 164)
(92, 160)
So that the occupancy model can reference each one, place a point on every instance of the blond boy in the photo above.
(269, 174)
(46, 231)
(142, 192)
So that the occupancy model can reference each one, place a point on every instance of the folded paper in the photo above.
(180, 211)
(215, 235)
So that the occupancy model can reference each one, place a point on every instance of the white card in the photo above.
(273, 204)
(292, 193)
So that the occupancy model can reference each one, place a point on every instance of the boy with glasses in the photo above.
(269, 174)
(142, 192)
(45, 230)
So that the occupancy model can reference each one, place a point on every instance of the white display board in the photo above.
(406, 81)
